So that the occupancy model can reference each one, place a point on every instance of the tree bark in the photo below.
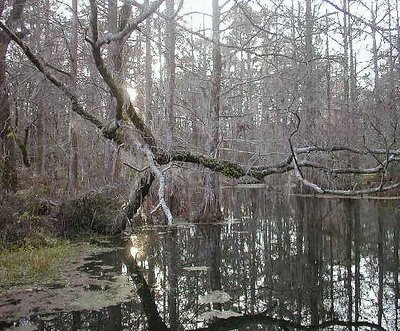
(171, 66)
(73, 164)
(149, 70)
(310, 88)
(42, 117)
(8, 171)
(210, 209)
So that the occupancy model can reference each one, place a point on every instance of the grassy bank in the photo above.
(35, 265)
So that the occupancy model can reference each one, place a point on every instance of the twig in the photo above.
(136, 169)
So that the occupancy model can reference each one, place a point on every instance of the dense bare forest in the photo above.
(255, 140)
(156, 105)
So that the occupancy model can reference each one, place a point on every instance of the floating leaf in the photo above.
(28, 327)
(196, 268)
(215, 297)
(209, 315)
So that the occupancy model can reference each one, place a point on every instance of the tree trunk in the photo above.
(211, 207)
(8, 172)
(377, 92)
(148, 72)
(73, 164)
(41, 126)
(41, 135)
(346, 83)
(328, 86)
(170, 62)
(310, 88)
(112, 22)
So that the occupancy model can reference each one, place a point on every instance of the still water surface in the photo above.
(298, 260)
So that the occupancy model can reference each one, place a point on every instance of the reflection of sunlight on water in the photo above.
(134, 252)
(138, 250)
(132, 92)
(124, 269)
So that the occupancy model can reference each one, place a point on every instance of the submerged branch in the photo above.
(379, 189)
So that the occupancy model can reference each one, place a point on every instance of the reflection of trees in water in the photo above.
(325, 259)
(309, 262)
(396, 267)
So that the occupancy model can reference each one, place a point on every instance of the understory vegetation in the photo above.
(39, 260)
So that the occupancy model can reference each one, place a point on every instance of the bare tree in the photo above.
(73, 164)
(8, 171)
(210, 208)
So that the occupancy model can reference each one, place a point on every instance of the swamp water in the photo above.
(303, 261)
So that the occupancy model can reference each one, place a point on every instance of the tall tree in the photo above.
(171, 67)
(43, 107)
(310, 79)
(149, 70)
(73, 164)
(8, 172)
(210, 208)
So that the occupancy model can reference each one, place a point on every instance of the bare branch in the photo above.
(130, 27)
(373, 26)
(76, 106)
(342, 171)
(136, 169)
(160, 175)
(379, 189)
(297, 171)
(343, 148)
